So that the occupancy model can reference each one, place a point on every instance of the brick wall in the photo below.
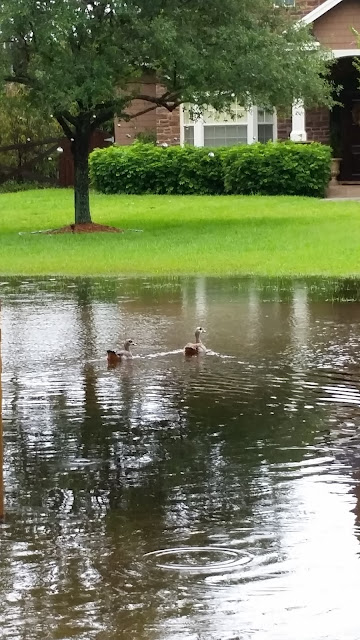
(126, 132)
(168, 126)
(164, 123)
(318, 125)
(167, 123)
(333, 29)
(302, 7)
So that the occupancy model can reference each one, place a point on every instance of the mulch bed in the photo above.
(87, 227)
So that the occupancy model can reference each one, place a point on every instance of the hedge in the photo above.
(275, 168)
(145, 168)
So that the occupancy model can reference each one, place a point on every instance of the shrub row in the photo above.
(284, 168)
(145, 168)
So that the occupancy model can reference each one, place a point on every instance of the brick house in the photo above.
(331, 22)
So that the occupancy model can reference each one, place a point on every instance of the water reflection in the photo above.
(253, 449)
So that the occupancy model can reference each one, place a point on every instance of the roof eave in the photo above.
(315, 14)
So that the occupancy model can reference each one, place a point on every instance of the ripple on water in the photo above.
(239, 468)
(200, 559)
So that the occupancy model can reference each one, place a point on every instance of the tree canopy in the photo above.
(80, 60)
(21, 124)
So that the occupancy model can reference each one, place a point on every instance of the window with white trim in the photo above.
(265, 125)
(223, 129)
(226, 135)
(220, 128)
(188, 125)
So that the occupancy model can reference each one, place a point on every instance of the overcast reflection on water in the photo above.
(241, 467)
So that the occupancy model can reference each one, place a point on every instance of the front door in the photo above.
(350, 142)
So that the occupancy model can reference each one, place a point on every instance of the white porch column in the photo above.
(298, 132)
(199, 132)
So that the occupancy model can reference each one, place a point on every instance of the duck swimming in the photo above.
(114, 357)
(197, 347)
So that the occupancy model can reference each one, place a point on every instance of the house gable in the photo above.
(334, 27)
(319, 11)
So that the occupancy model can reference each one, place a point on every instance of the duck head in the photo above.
(129, 343)
(198, 332)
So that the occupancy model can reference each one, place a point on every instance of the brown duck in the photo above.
(197, 347)
(114, 357)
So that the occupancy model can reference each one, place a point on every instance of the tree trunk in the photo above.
(80, 151)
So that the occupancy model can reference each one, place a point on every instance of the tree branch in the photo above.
(146, 98)
(64, 125)
(102, 117)
(29, 82)
(141, 113)
(29, 145)
(69, 117)
(170, 108)
(163, 101)
(40, 156)
(105, 105)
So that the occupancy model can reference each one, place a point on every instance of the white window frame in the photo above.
(275, 126)
(252, 127)
(199, 132)
(182, 126)
(284, 4)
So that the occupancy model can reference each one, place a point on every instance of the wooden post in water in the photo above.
(2, 506)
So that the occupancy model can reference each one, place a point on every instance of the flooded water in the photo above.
(213, 498)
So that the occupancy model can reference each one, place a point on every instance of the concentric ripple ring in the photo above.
(235, 558)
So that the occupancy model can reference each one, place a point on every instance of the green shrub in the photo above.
(146, 137)
(269, 169)
(143, 168)
(287, 168)
(199, 172)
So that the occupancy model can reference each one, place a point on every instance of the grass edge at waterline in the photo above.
(181, 235)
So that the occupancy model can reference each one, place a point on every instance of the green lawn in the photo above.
(181, 235)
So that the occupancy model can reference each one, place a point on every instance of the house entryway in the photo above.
(345, 128)
(349, 136)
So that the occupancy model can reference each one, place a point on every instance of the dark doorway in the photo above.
(345, 121)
